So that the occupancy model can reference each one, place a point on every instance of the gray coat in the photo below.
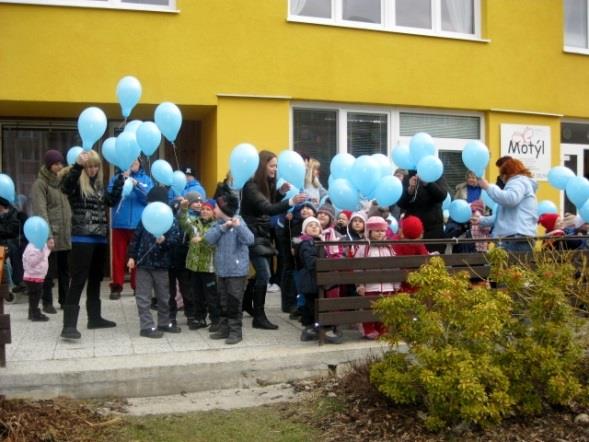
(232, 248)
(49, 202)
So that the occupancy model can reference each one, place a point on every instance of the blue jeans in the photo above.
(517, 246)
(261, 265)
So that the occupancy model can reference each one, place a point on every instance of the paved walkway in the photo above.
(119, 362)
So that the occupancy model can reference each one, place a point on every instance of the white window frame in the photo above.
(574, 49)
(388, 21)
(393, 117)
(99, 4)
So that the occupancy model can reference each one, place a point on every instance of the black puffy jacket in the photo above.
(90, 215)
(256, 209)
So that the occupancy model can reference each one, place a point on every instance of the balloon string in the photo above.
(176, 155)
(119, 206)
(145, 254)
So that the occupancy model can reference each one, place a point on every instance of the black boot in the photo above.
(35, 314)
(70, 322)
(95, 319)
(260, 319)
(248, 297)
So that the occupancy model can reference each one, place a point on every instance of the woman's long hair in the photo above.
(512, 167)
(89, 186)
(266, 184)
(311, 180)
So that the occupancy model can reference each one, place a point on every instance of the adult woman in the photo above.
(49, 202)
(469, 190)
(88, 200)
(260, 200)
(125, 218)
(516, 215)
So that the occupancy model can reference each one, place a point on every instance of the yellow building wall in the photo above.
(208, 160)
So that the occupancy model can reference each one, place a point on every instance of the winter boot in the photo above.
(260, 319)
(35, 314)
(95, 319)
(248, 297)
(70, 322)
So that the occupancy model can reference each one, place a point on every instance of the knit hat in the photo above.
(548, 220)
(412, 227)
(4, 202)
(187, 170)
(306, 203)
(376, 223)
(348, 214)
(193, 197)
(208, 203)
(158, 193)
(309, 220)
(53, 156)
(228, 204)
(360, 214)
(477, 205)
(329, 210)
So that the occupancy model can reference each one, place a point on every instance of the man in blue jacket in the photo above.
(125, 218)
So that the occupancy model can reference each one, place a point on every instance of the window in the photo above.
(446, 18)
(575, 25)
(367, 133)
(143, 5)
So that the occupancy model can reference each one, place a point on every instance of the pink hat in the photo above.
(376, 223)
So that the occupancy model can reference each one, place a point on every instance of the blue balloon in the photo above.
(402, 157)
(584, 212)
(475, 157)
(127, 187)
(243, 163)
(132, 126)
(36, 231)
(157, 218)
(386, 167)
(577, 190)
(178, 181)
(169, 119)
(292, 168)
(559, 176)
(421, 145)
(490, 203)
(127, 149)
(447, 201)
(91, 126)
(128, 93)
(292, 192)
(163, 172)
(460, 211)
(393, 224)
(7, 190)
(430, 169)
(72, 154)
(365, 174)
(148, 137)
(388, 191)
(341, 165)
(546, 206)
(109, 151)
(343, 194)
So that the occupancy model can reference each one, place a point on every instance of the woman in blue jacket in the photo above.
(125, 218)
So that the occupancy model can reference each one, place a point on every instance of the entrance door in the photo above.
(576, 158)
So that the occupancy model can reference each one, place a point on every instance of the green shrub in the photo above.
(477, 354)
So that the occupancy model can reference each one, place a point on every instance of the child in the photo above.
(152, 257)
(36, 264)
(411, 228)
(376, 230)
(231, 238)
(554, 227)
(343, 219)
(357, 226)
(199, 261)
(306, 257)
(9, 231)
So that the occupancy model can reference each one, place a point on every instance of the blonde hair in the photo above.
(86, 188)
(311, 180)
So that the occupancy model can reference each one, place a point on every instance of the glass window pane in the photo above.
(367, 134)
(458, 16)
(440, 126)
(315, 133)
(574, 133)
(367, 11)
(414, 13)
(575, 12)
(311, 8)
(454, 168)
(148, 2)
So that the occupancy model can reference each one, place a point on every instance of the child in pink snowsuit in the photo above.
(36, 264)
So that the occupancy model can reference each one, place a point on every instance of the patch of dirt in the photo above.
(60, 419)
(351, 409)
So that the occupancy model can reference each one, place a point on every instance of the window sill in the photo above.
(93, 5)
(574, 50)
(381, 28)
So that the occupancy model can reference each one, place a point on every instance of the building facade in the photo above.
(318, 76)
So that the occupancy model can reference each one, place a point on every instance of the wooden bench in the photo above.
(5, 337)
(356, 309)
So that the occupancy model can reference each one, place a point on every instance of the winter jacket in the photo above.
(9, 227)
(35, 263)
(256, 209)
(200, 254)
(378, 251)
(516, 210)
(231, 248)
(149, 255)
(307, 264)
(195, 186)
(468, 193)
(127, 214)
(50, 203)
(89, 215)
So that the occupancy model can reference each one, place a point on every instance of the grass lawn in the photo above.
(250, 424)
